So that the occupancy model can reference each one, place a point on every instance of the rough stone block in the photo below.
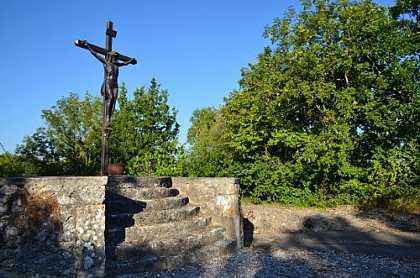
(218, 198)
(55, 224)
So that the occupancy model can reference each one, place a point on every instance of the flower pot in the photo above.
(115, 168)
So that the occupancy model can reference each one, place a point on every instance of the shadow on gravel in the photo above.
(264, 264)
(337, 234)
(403, 221)
(332, 235)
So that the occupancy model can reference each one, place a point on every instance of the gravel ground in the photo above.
(266, 263)
(299, 263)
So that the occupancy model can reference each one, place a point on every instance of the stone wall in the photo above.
(218, 198)
(52, 227)
(55, 226)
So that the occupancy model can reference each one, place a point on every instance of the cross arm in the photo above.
(103, 51)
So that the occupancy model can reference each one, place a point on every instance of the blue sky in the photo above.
(195, 49)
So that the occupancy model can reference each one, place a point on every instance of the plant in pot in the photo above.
(115, 167)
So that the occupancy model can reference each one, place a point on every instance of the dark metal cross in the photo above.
(111, 64)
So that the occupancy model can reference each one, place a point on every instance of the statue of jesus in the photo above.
(109, 87)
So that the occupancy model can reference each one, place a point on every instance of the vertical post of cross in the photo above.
(110, 33)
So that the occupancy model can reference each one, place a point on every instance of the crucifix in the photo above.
(109, 89)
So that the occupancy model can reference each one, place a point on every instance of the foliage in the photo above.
(328, 115)
(144, 136)
(207, 155)
(145, 132)
(70, 141)
(10, 165)
(408, 11)
(330, 112)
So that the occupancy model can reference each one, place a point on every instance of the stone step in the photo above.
(181, 244)
(151, 217)
(166, 203)
(150, 232)
(168, 263)
(122, 182)
(135, 193)
(134, 206)
(124, 206)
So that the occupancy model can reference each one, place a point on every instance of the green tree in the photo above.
(145, 132)
(69, 143)
(331, 110)
(407, 11)
(207, 153)
(10, 165)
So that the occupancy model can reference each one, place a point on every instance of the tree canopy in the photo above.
(330, 111)
(69, 143)
(329, 114)
(145, 134)
(207, 154)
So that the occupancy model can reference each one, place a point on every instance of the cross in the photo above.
(111, 64)
(110, 33)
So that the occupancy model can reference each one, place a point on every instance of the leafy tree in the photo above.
(145, 132)
(408, 11)
(331, 109)
(70, 141)
(144, 135)
(9, 165)
(207, 154)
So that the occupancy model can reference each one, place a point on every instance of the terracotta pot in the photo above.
(115, 168)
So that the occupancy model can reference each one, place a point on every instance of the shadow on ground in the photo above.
(348, 239)
(403, 221)
(314, 252)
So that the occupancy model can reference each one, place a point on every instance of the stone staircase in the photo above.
(151, 227)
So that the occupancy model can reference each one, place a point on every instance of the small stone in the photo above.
(88, 263)
(66, 255)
